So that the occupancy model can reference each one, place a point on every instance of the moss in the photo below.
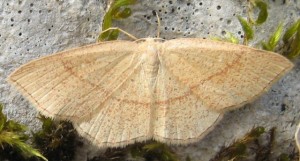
(13, 139)
(115, 12)
(291, 37)
(57, 141)
(154, 151)
(291, 40)
(256, 145)
(116, 154)
(148, 151)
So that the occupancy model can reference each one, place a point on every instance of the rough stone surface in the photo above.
(30, 29)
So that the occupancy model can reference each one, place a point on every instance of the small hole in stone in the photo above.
(30, 11)
(283, 107)
(12, 25)
(178, 8)
(188, 4)
(148, 17)
(12, 20)
(153, 12)
(49, 30)
(28, 20)
(173, 10)
(20, 34)
(166, 28)
(218, 7)
(40, 11)
(88, 19)
(170, 2)
(31, 4)
(228, 22)
(200, 3)
(221, 19)
(239, 32)
(19, 11)
(242, 36)
(223, 32)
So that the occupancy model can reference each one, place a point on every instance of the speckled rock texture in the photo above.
(30, 29)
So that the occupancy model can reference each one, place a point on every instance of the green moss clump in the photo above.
(117, 11)
(115, 154)
(291, 39)
(256, 145)
(154, 151)
(57, 141)
(148, 151)
(12, 141)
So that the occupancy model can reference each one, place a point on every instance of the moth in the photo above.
(174, 91)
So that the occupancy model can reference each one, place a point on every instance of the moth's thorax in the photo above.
(150, 49)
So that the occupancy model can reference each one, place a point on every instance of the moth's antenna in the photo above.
(158, 24)
(116, 28)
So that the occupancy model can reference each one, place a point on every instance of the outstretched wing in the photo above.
(75, 83)
(124, 118)
(180, 117)
(222, 75)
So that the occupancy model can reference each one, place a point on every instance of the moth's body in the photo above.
(120, 92)
(150, 48)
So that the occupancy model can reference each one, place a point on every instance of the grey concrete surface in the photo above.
(30, 29)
